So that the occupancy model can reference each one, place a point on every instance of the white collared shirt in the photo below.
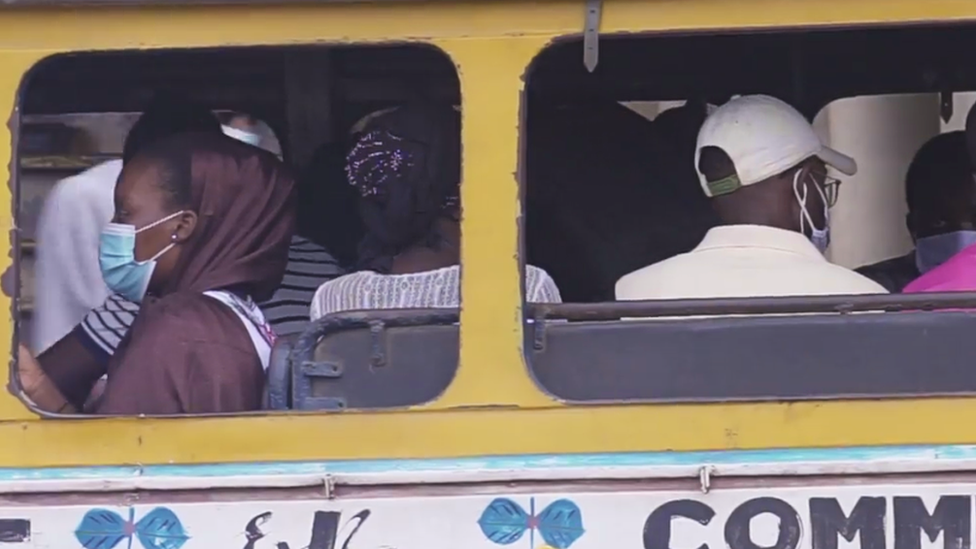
(745, 261)
(67, 277)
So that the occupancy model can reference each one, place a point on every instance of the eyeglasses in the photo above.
(831, 188)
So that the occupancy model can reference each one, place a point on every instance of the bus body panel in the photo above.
(786, 499)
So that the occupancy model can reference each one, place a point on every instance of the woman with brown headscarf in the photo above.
(201, 231)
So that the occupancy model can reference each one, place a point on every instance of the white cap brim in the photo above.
(839, 161)
(246, 136)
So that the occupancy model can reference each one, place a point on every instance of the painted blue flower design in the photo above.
(105, 529)
(504, 522)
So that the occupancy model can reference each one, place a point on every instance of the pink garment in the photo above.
(956, 275)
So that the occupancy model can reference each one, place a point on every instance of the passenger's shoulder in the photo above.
(301, 246)
(98, 180)
(343, 282)
(540, 287)
(78, 198)
(536, 274)
(340, 293)
(183, 310)
(655, 280)
(901, 261)
(661, 268)
(857, 282)
(189, 318)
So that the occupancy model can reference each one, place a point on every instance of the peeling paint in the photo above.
(8, 280)
(732, 438)
(15, 530)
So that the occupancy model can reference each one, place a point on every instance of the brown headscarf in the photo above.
(187, 352)
(244, 202)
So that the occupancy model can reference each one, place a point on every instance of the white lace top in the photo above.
(429, 289)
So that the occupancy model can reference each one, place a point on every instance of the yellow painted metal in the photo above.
(492, 407)
(484, 431)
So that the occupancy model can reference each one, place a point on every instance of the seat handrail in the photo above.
(841, 304)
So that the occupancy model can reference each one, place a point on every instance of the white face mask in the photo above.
(819, 237)
(242, 135)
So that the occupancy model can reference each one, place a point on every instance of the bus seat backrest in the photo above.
(801, 357)
(278, 385)
(377, 368)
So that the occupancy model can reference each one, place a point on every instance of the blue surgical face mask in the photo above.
(932, 251)
(819, 237)
(123, 274)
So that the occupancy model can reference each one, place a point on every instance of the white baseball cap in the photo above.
(763, 137)
(258, 134)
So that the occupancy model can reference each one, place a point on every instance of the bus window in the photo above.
(646, 204)
(325, 114)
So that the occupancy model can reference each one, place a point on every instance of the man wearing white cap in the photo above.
(765, 170)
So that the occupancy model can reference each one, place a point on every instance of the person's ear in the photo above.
(186, 223)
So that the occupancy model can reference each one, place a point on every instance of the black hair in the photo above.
(327, 205)
(682, 123)
(719, 171)
(402, 202)
(167, 114)
(173, 159)
(940, 172)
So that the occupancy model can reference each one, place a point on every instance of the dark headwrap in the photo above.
(245, 203)
(406, 166)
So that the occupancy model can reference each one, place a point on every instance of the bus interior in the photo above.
(608, 186)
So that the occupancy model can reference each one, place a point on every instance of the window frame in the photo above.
(18, 241)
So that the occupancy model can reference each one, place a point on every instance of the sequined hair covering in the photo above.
(380, 159)
(406, 166)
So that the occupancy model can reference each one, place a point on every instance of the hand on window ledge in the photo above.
(38, 387)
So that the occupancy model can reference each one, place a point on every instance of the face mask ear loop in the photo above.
(823, 198)
(173, 237)
(802, 201)
(159, 221)
(167, 248)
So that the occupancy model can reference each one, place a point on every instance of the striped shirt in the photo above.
(309, 265)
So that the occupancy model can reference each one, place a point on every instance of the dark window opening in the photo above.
(301, 103)
(610, 191)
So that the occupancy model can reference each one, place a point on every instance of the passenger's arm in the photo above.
(105, 327)
(73, 367)
(38, 387)
(76, 362)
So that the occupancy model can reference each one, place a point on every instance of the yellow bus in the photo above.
(504, 423)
